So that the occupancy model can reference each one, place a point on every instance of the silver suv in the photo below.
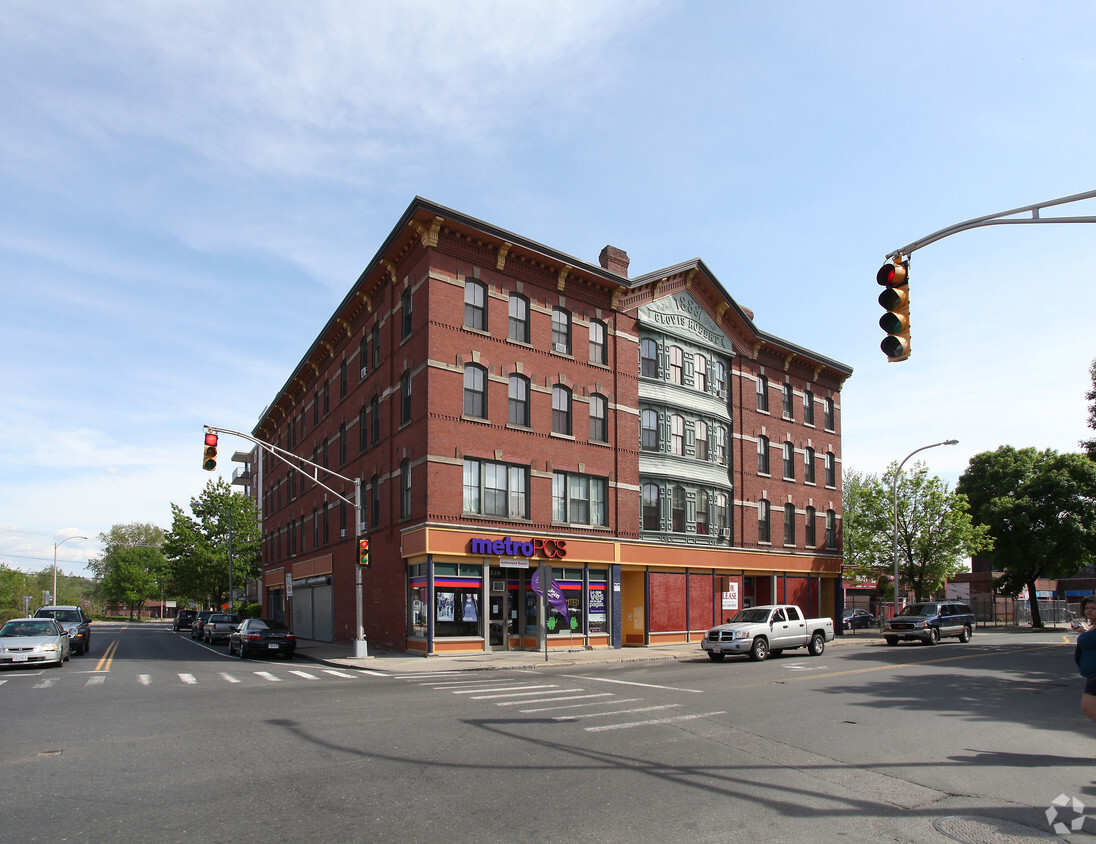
(74, 622)
(930, 621)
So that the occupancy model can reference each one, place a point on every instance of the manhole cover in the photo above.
(974, 830)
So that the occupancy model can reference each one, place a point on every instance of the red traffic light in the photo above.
(896, 302)
(209, 455)
(211, 438)
(363, 552)
(892, 275)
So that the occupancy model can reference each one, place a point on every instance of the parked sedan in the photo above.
(857, 619)
(198, 623)
(183, 620)
(219, 626)
(33, 641)
(262, 635)
(75, 622)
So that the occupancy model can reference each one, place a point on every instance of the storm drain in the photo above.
(974, 830)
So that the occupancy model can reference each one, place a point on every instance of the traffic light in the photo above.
(896, 300)
(209, 460)
(363, 553)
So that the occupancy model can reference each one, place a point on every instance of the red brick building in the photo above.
(508, 407)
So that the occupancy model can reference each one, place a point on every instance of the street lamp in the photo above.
(55, 544)
(894, 490)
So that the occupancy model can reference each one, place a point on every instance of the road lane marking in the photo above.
(519, 694)
(108, 656)
(95, 680)
(229, 678)
(609, 712)
(555, 699)
(505, 688)
(338, 673)
(631, 683)
(45, 684)
(578, 705)
(652, 722)
(144, 679)
(266, 675)
(189, 679)
(304, 674)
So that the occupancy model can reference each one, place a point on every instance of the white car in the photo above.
(33, 641)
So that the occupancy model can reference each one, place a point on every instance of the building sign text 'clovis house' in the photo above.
(519, 547)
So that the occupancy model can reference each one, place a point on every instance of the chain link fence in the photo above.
(989, 611)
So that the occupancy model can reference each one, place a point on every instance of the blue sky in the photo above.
(190, 188)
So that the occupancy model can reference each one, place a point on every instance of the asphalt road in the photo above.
(155, 737)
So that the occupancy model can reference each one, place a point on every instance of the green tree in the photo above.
(198, 545)
(1040, 508)
(935, 531)
(1090, 445)
(131, 569)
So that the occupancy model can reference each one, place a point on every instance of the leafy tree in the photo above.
(1090, 445)
(1040, 508)
(935, 531)
(197, 546)
(131, 569)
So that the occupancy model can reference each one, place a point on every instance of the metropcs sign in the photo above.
(555, 548)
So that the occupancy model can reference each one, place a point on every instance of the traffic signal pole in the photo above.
(1002, 218)
(894, 275)
(296, 461)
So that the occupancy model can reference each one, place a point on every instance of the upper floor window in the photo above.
(789, 461)
(648, 425)
(496, 489)
(700, 372)
(831, 529)
(677, 365)
(519, 401)
(700, 429)
(519, 318)
(808, 465)
(651, 506)
(405, 310)
(375, 501)
(763, 393)
(599, 342)
(561, 410)
(326, 397)
(831, 469)
(405, 489)
(677, 435)
(763, 455)
(677, 509)
(579, 499)
(787, 397)
(405, 398)
(721, 445)
(763, 521)
(561, 331)
(827, 417)
(363, 355)
(342, 445)
(789, 524)
(375, 419)
(648, 358)
(475, 305)
(363, 430)
(475, 391)
(721, 512)
(808, 407)
(599, 419)
(809, 536)
(702, 512)
(719, 378)
(376, 345)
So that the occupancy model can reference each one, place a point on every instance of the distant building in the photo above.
(508, 407)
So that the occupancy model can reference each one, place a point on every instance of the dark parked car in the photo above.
(262, 635)
(218, 626)
(199, 622)
(74, 622)
(857, 619)
(183, 620)
(930, 621)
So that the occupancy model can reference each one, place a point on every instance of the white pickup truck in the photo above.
(760, 631)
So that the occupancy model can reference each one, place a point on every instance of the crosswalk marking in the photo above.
(144, 679)
(575, 705)
(266, 675)
(304, 674)
(45, 684)
(96, 680)
(576, 716)
(229, 678)
(189, 679)
(504, 689)
(552, 699)
(630, 724)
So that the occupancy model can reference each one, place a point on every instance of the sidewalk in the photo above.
(338, 655)
(389, 662)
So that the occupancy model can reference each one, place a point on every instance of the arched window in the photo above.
(831, 529)
(648, 358)
(702, 512)
(808, 407)
(828, 415)
(519, 401)
(561, 330)
(475, 305)
(701, 430)
(519, 318)
(652, 517)
(649, 430)
(405, 398)
(599, 419)
(677, 434)
(677, 365)
(763, 393)
(700, 372)
(678, 509)
(789, 524)
(763, 521)
(831, 469)
(599, 342)
(561, 410)
(475, 391)
(763, 455)
(789, 461)
(405, 308)
(808, 465)
(810, 539)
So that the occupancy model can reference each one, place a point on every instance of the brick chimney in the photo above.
(614, 260)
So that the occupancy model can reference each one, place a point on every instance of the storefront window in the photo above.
(597, 602)
(457, 592)
(419, 599)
